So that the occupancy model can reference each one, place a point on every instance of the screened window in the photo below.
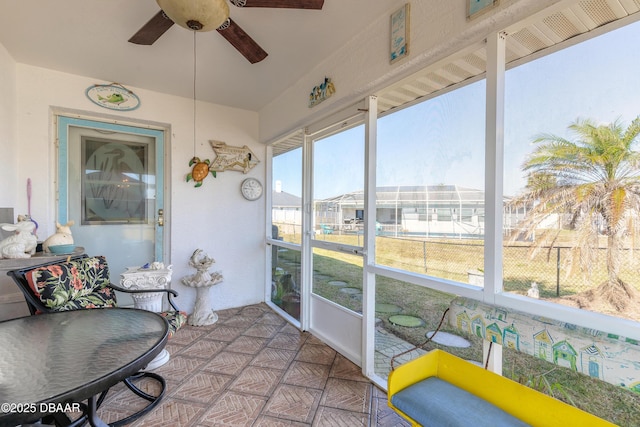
(565, 117)
(430, 172)
(286, 201)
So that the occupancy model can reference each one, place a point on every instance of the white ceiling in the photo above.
(89, 38)
(551, 28)
(548, 29)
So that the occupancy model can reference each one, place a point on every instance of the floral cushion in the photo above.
(175, 319)
(80, 284)
(73, 285)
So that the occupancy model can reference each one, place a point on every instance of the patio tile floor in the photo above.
(252, 368)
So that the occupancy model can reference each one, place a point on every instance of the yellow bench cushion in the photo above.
(524, 403)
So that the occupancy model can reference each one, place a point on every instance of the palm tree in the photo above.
(593, 183)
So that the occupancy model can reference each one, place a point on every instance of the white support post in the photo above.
(268, 200)
(492, 357)
(307, 229)
(494, 160)
(369, 244)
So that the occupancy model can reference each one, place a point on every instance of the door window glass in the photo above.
(115, 181)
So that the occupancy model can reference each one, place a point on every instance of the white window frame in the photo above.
(493, 292)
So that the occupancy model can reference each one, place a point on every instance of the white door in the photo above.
(111, 184)
(337, 236)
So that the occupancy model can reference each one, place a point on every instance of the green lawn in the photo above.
(453, 258)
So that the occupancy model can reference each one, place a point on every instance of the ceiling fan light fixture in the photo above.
(196, 15)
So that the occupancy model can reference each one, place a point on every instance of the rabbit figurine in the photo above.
(22, 244)
(62, 236)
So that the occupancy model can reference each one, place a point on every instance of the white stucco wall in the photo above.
(8, 148)
(361, 66)
(214, 217)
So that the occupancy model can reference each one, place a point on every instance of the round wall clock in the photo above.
(251, 189)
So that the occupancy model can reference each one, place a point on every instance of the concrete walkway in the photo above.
(388, 345)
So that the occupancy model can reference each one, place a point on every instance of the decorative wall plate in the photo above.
(113, 96)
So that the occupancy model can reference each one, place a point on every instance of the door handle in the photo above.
(160, 217)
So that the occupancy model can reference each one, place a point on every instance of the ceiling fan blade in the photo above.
(290, 4)
(241, 41)
(152, 30)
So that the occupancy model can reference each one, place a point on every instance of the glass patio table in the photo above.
(49, 363)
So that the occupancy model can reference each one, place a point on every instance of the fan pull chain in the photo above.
(194, 93)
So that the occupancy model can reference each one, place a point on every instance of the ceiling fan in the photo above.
(208, 15)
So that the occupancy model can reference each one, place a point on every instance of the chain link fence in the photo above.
(550, 268)
(462, 260)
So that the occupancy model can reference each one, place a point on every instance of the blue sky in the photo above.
(441, 141)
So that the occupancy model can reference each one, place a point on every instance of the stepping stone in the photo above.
(406, 321)
(351, 291)
(382, 307)
(450, 340)
(337, 283)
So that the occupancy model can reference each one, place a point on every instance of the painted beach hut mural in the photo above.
(463, 323)
(565, 355)
(591, 361)
(477, 324)
(543, 345)
(493, 333)
(601, 355)
(500, 314)
(511, 337)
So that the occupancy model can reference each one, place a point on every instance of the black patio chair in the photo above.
(82, 282)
